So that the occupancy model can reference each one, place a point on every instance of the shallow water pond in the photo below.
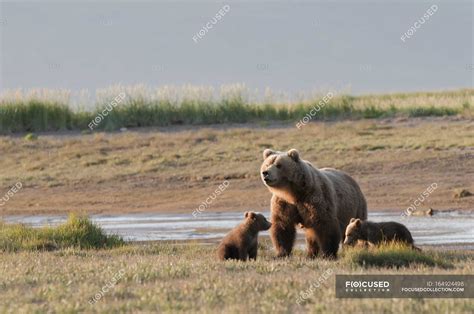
(447, 229)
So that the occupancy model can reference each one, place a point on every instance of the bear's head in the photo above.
(282, 172)
(258, 220)
(354, 231)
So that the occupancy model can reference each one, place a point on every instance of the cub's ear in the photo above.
(293, 154)
(352, 220)
(268, 152)
(358, 222)
(250, 215)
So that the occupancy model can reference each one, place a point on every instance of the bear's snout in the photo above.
(348, 241)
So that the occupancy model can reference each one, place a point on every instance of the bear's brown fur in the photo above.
(321, 200)
(374, 233)
(242, 241)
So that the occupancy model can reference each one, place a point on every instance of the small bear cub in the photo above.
(373, 233)
(241, 242)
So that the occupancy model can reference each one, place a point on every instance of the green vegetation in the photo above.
(186, 277)
(392, 255)
(76, 232)
(31, 137)
(24, 113)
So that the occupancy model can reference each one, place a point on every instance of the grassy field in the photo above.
(177, 277)
(143, 170)
(174, 168)
(43, 110)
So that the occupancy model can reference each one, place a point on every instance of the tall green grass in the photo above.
(76, 232)
(33, 114)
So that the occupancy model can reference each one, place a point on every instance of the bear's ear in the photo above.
(250, 215)
(293, 154)
(352, 220)
(268, 152)
(358, 222)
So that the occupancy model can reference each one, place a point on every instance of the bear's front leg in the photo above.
(283, 232)
(329, 237)
(253, 252)
(243, 254)
(312, 242)
(283, 237)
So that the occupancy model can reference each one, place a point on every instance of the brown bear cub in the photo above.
(373, 233)
(241, 242)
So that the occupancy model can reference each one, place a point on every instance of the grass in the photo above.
(177, 277)
(73, 171)
(392, 255)
(30, 112)
(76, 232)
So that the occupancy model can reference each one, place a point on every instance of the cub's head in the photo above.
(279, 169)
(258, 220)
(353, 231)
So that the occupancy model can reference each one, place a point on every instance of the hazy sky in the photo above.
(290, 46)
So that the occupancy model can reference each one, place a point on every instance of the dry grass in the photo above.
(141, 170)
(187, 278)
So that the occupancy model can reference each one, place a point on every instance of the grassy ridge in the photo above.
(30, 114)
(76, 232)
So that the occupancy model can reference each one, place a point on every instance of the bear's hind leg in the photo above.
(231, 252)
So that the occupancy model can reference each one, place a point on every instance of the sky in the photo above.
(289, 46)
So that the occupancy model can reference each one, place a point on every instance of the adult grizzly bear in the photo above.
(322, 200)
